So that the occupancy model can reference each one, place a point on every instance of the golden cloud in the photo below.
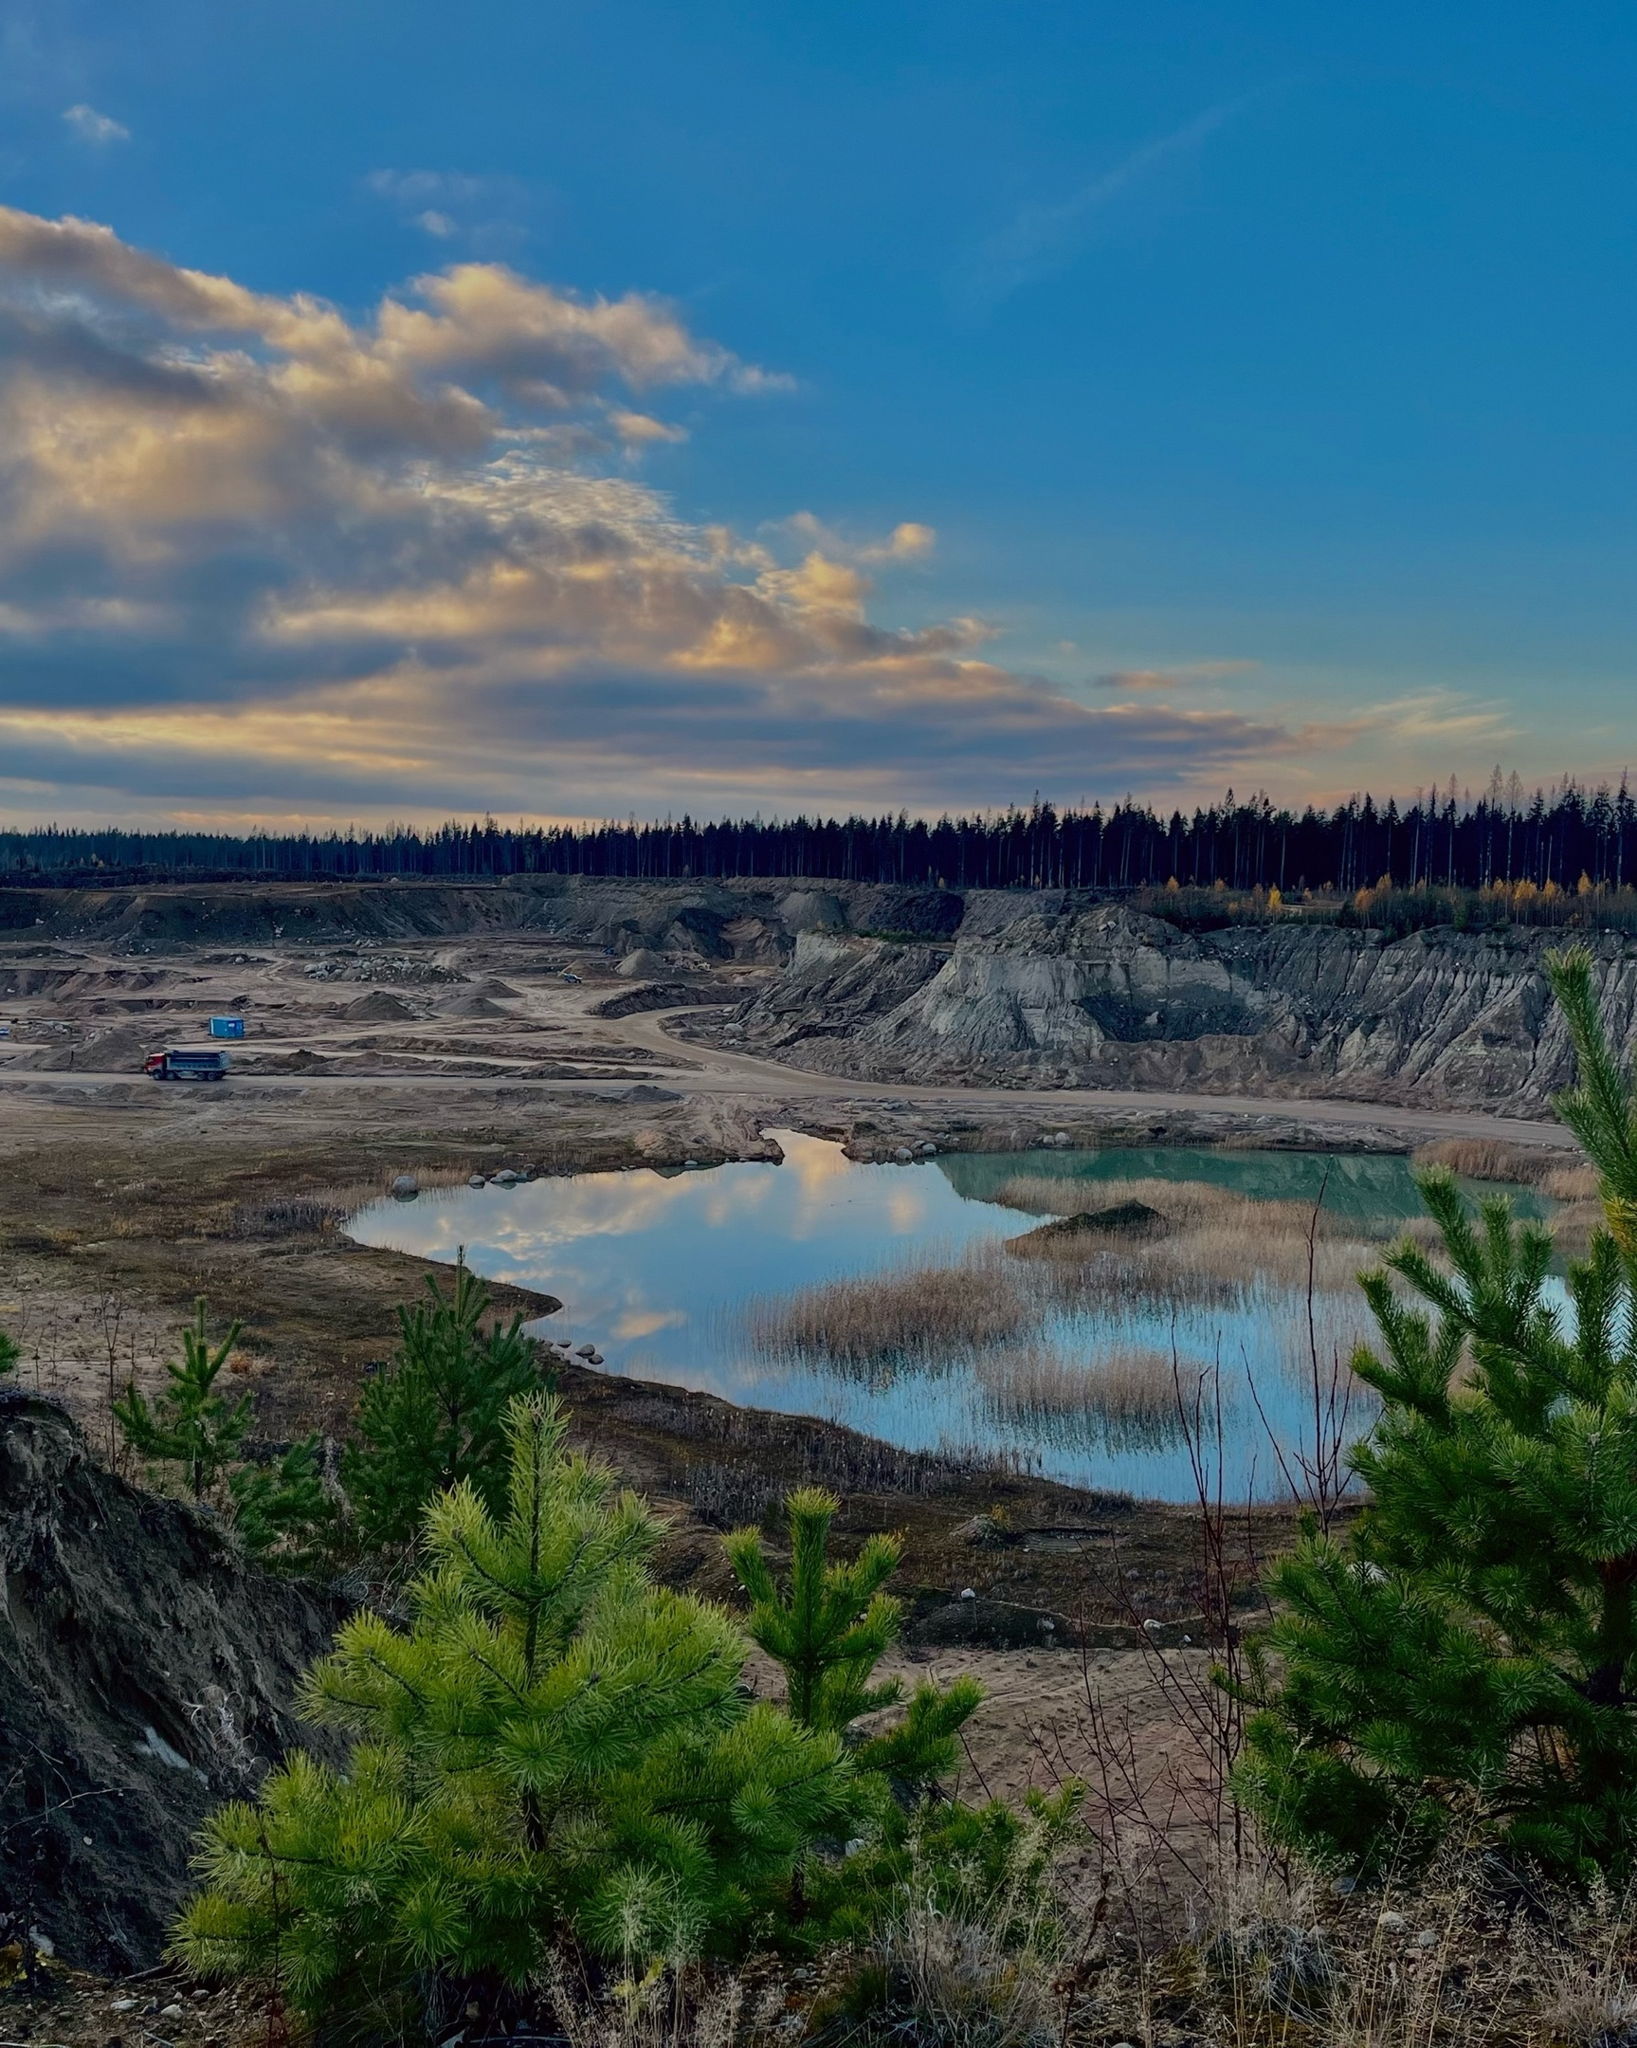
(253, 550)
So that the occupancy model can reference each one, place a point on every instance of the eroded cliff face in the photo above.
(146, 1675)
(1103, 997)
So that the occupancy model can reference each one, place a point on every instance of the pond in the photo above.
(916, 1302)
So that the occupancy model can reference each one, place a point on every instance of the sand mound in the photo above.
(494, 986)
(472, 1006)
(644, 964)
(378, 1008)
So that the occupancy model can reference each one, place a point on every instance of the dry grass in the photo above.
(919, 1311)
(1217, 1248)
(1179, 1201)
(1260, 1955)
(1571, 1184)
(1131, 1388)
(1494, 1159)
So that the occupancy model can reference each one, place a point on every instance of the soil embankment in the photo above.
(145, 1676)
(1077, 997)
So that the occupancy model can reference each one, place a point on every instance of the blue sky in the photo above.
(1064, 397)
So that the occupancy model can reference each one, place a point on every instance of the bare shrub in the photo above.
(921, 1311)
(288, 1216)
(730, 1496)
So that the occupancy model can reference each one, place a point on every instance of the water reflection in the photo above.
(662, 1271)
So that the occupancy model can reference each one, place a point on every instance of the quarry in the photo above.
(405, 1045)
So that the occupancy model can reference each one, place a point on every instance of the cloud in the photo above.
(260, 557)
(640, 430)
(88, 125)
(1045, 237)
(909, 541)
(1186, 675)
(490, 212)
(441, 188)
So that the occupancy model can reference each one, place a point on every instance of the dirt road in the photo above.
(701, 1071)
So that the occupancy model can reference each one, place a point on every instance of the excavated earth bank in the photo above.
(1067, 996)
(145, 1676)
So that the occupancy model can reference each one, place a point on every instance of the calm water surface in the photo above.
(657, 1269)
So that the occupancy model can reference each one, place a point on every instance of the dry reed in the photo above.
(1132, 1388)
(1493, 1159)
(915, 1312)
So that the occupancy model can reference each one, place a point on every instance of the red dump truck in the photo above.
(187, 1063)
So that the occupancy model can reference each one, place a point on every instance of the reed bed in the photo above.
(1526, 1166)
(1215, 1247)
(1179, 1201)
(1134, 1388)
(1571, 1184)
(912, 1312)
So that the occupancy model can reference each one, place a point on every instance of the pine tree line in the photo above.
(1441, 838)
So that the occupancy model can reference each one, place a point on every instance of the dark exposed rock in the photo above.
(997, 1624)
(146, 1674)
(1125, 1219)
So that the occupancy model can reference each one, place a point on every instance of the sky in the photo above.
(580, 411)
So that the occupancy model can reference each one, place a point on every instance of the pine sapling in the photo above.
(553, 1751)
(283, 1512)
(190, 1425)
(1470, 1647)
(437, 1415)
(829, 1627)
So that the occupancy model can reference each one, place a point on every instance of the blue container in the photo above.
(227, 1027)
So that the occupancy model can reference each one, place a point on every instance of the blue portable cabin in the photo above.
(227, 1027)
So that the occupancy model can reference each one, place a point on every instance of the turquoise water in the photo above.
(660, 1269)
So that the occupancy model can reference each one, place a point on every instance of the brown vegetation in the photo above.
(1131, 1389)
(1493, 1159)
(917, 1311)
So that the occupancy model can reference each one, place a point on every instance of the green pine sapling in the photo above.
(191, 1424)
(828, 1627)
(1470, 1646)
(283, 1513)
(437, 1415)
(280, 1511)
(553, 1751)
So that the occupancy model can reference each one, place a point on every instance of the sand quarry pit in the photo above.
(372, 1053)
